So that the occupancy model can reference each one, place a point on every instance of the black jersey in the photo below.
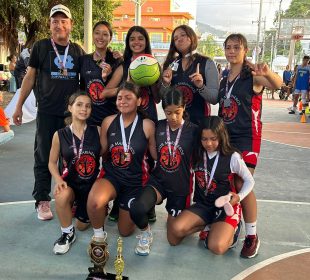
(84, 170)
(243, 115)
(174, 172)
(148, 104)
(196, 106)
(92, 82)
(221, 182)
(132, 170)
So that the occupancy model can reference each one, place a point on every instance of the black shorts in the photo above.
(212, 214)
(124, 193)
(175, 204)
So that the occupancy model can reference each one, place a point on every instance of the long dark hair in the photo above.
(173, 96)
(246, 70)
(217, 126)
(71, 101)
(173, 52)
(128, 51)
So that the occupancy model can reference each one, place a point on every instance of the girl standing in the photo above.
(174, 145)
(96, 71)
(125, 138)
(240, 107)
(195, 75)
(215, 163)
(79, 146)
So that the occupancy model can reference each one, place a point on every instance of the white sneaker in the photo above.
(44, 211)
(63, 244)
(143, 247)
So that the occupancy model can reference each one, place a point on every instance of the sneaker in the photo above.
(143, 247)
(292, 112)
(62, 245)
(250, 247)
(44, 211)
(236, 236)
(113, 216)
(203, 234)
(151, 215)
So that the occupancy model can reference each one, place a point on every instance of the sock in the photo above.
(250, 228)
(207, 228)
(68, 229)
(99, 232)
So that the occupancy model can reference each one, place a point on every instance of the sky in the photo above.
(237, 15)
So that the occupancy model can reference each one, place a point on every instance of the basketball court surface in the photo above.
(282, 190)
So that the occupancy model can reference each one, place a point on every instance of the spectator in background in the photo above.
(21, 66)
(287, 75)
(225, 71)
(12, 59)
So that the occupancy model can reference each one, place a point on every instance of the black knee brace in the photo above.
(141, 206)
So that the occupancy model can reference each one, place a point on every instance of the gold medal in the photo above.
(127, 156)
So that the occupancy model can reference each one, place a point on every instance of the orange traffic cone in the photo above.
(303, 118)
(300, 106)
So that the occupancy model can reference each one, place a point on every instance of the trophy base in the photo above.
(103, 276)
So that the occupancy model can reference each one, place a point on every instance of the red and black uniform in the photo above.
(127, 173)
(92, 83)
(243, 117)
(172, 176)
(148, 104)
(222, 184)
(196, 105)
(80, 173)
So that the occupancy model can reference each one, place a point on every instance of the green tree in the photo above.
(210, 48)
(298, 9)
(32, 16)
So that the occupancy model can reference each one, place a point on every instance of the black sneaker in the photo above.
(292, 112)
(151, 215)
(62, 245)
(236, 236)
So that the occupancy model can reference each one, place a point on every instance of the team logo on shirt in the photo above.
(187, 94)
(85, 166)
(95, 89)
(201, 180)
(229, 113)
(145, 98)
(119, 158)
(167, 161)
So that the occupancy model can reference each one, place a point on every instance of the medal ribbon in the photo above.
(76, 154)
(176, 61)
(125, 145)
(176, 140)
(228, 92)
(62, 63)
(212, 170)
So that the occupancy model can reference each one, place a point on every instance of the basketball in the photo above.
(144, 70)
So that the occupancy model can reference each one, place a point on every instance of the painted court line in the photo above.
(295, 146)
(287, 132)
(262, 264)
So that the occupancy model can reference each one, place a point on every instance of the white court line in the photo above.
(287, 132)
(295, 146)
(262, 264)
(260, 200)
(285, 159)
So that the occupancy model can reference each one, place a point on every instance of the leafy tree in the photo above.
(32, 16)
(298, 9)
(210, 48)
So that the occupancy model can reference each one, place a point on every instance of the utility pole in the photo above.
(258, 30)
(278, 31)
(88, 25)
(138, 5)
(264, 36)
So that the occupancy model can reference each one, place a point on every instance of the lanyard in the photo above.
(228, 92)
(176, 140)
(174, 65)
(62, 63)
(212, 170)
(125, 145)
(76, 154)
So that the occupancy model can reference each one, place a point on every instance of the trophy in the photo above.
(99, 255)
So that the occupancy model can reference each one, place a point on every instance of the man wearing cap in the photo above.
(53, 75)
